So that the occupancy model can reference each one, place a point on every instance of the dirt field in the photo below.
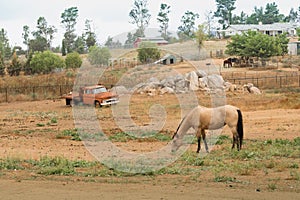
(31, 130)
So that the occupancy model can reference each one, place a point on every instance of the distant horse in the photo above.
(228, 62)
(202, 118)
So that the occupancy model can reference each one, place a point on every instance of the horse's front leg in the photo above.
(199, 145)
(204, 140)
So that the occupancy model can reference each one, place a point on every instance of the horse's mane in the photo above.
(178, 127)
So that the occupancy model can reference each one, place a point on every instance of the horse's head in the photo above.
(176, 142)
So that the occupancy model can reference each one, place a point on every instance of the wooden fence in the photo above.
(8, 94)
(23, 93)
(271, 81)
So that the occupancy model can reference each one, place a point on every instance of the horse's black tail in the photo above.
(240, 128)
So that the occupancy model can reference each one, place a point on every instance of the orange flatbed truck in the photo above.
(96, 95)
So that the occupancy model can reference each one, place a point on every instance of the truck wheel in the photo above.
(97, 104)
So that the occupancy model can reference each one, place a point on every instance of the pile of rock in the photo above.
(251, 89)
(192, 81)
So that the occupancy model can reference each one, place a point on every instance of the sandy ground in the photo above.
(26, 131)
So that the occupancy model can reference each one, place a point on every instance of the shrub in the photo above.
(73, 60)
(45, 62)
(15, 66)
(148, 52)
(99, 55)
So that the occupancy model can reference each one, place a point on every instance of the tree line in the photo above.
(39, 39)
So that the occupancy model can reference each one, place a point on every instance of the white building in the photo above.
(294, 48)
(268, 29)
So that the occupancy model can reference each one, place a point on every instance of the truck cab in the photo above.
(96, 95)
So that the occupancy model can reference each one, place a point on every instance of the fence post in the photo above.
(280, 82)
(6, 95)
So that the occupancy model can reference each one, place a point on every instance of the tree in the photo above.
(15, 66)
(186, 30)
(209, 21)
(2, 66)
(27, 67)
(130, 40)
(256, 17)
(163, 20)
(109, 41)
(45, 62)
(293, 16)
(200, 36)
(111, 44)
(69, 20)
(38, 44)
(224, 12)
(44, 31)
(99, 55)
(281, 42)
(148, 52)
(63, 48)
(272, 14)
(73, 60)
(140, 16)
(256, 44)
(268, 15)
(298, 33)
(79, 45)
(90, 36)
(5, 48)
(241, 19)
(25, 36)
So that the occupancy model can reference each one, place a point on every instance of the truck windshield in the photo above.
(99, 90)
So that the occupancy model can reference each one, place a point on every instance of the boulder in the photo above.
(252, 89)
(201, 73)
(192, 78)
(120, 90)
(211, 81)
(167, 90)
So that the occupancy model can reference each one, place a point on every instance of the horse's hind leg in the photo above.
(233, 142)
(236, 140)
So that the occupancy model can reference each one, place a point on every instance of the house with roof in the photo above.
(157, 40)
(168, 59)
(268, 29)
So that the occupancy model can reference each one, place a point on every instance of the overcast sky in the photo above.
(110, 17)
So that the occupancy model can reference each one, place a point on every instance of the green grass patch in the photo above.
(40, 125)
(146, 136)
(76, 135)
(257, 157)
(11, 164)
(224, 179)
(222, 139)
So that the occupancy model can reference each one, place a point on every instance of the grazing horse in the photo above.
(227, 63)
(202, 118)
